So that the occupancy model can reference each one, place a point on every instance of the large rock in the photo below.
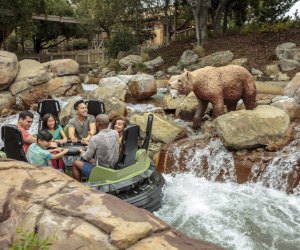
(67, 112)
(130, 60)
(289, 64)
(8, 68)
(62, 67)
(240, 61)
(7, 100)
(59, 86)
(263, 126)
(271, 69)
(111, 82)
(107, 92)
(282, 50)
(142, 86)
(290, 106)
(292, 89)
(217, 59)
(174, 70)
(187, 108)
(171, 103)
(28, 68)
(163, 130)
(294, 54)
(188, 57)
(115, 107)
(158, 61)
(73, 216)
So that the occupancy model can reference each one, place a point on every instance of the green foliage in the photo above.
(77, 44)
(198, 49)
(122, 40)
(27, 240)
(140, 67)
(12, 43)
(269, 27)
(145, 56)
(114, 65)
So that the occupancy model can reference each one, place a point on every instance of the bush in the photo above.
(122, 40)
(198, 49)
(12, 43)
(114, 65)
(30, 241)
(145, 56)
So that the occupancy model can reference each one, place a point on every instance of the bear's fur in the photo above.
(218, 85)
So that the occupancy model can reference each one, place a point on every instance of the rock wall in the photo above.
(50, 203)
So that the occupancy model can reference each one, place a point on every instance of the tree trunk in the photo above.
(175, 19)
(37, 44)
(200, 12)
(167, 36)
(218, 17)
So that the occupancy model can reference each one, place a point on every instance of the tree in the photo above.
(200, 10)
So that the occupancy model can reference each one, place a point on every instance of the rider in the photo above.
(103, 149)
(82, 127)
(24, 123)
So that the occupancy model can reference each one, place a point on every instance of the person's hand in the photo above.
(53, 144)
(59, 142)
(84, 142)
(60, 149)
(65, 150)
(74, 140)
(81, 150)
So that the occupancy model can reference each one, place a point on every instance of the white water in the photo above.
(230, 215)
(141, 108)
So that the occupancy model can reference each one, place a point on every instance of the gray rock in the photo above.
(282, 50)
(8, 69)
(174, 70)
(188, 57)
(289, 64)
(154, 63)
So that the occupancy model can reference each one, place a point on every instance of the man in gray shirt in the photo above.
(103, 150)
(82, 127)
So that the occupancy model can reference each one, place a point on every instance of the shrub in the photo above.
(30, 241)
(122, 40)
(12, 43)
(114, 65)
(140, 67)
(198, 49)
(145, 56)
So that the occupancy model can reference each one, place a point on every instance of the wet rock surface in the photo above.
(50, 203)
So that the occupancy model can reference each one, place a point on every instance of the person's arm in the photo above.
(71, 131)
(92, 129)
(64, 137)
(62, 153)
(89, 154)
(29, 139)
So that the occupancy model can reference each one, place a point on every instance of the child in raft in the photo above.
(50, 124)
(38, 154)
(119, 124)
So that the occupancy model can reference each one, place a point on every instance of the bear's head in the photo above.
(182, 85)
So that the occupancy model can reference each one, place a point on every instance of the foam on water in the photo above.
(89, 87)
(231, 215)
(141, 108)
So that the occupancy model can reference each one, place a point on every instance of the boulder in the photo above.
(174, 70)
(111, 81)
(292, 89)
(240, 61)
(158, 61)
(59, 86)
(8, 68)
(28, 68)
(7, 100)
(62, 67)
(142, 86)
(271, 69)
(18, 87)
(282, 77)
(188, 57)
(163, 130)
(51, 204)
(217, 59)
(115, 107)
(264, 126)
(187, 108)
(282, 50)
(160, 75)
(294, 54)
(107, 92)
(289, 64)
(171, 103)
(91, 79)
(130, 60)
(289, 106)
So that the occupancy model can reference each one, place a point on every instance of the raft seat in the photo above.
(13, 142)
(48, 106)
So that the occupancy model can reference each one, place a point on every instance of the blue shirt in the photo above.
(38, 156)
